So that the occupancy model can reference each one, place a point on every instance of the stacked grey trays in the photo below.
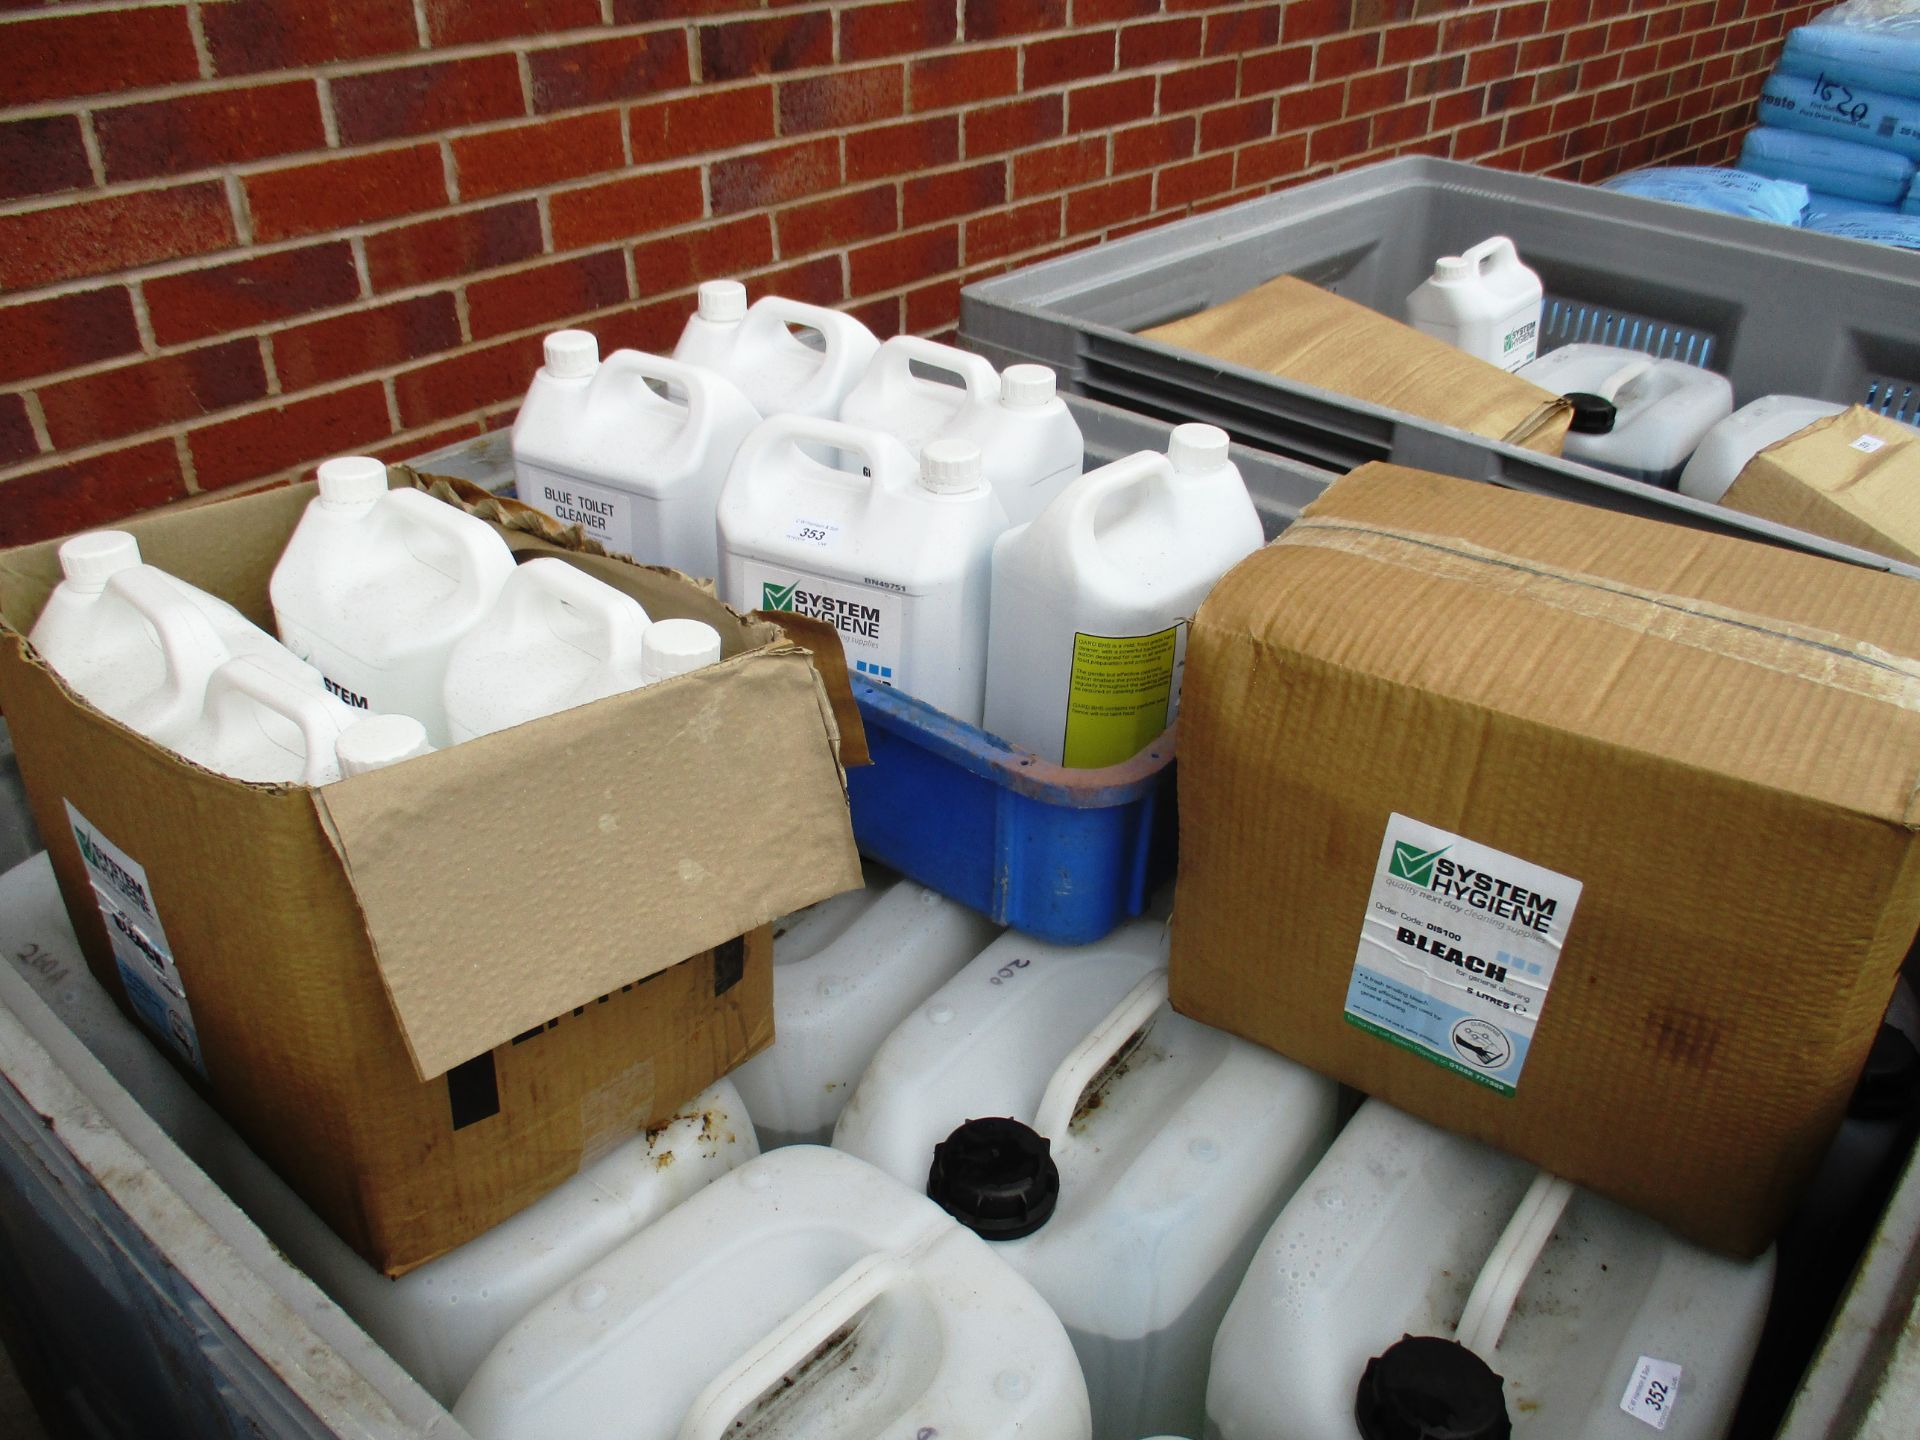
(1777, 310)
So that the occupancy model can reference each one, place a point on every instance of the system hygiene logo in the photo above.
(1410, 862)
(777, 597)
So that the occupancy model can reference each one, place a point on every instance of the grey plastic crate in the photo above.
(1777, 310)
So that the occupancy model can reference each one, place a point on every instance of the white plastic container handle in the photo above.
(895, 359)
(1092, 1055)
(606, 613)
(635, 367)
(883, 455)
(189, 645)
(240, 684)
(473, 551)
(1491, 254)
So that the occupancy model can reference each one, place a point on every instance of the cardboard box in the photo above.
(427, 995)
(1583, 835)
(1311, 336)
(1853, 477)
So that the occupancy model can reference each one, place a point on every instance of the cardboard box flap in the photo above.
(1674, 642)
(1300, 332)
(1853, 477)
(483, 927)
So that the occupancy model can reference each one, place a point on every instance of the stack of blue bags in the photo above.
(1841, 115)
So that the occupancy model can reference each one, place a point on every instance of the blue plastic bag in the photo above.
(1883, 56)
(1833, 167)
(1823, 208)
(1821, 105)
(1900, 230)
(1731, 192)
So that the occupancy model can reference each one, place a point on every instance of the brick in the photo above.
(818, 281)
(1310, 19)
(1497, 63)
(1156, 42)
(257, 291)
(333, 194)
(42, 156)
(17, 440)
(472, 22)
(150, 393)
(1542, 51)
(695, 124)
(1522, 19)
(1008, 232)
(1406, 43)
(903, 260)
(1018, 125)
(1060, 167)
(596, 72)
(365, 339)
(1464, 32)
(1430, 77)
(453, 245)
(44, 337)
(1458, 108)
(1102, 107)
(707, 252)
(1348, 55)
(838, 221)
(1555, 84)
(1276, 69)
(1409, 122)
(771, 177)
(1143, 147)
(1101, 12)
(870, 32)
(1475, 141)
(1180, 185)
(467, 381)
(933, 309)
(902, 149)
(1332, 143)
(742, 48)
(1233, 32)
(1303, 108)
(881, 316)
(622, 208)
(1196, 86)
(81, 494)
(265, 442)
(54, 57)
(927, 198)
(1509, 94)
(1237, 124)
(996, 19)
(1065, 58)
(964, 78)
(546, 293)
(418, 99)
(651, 328)
(219, 127)
(1366, 93)
(1270, 160)
(642, 12)
(1100, 206)
(246, 37)
(118, 232)
(544, 152)
(842, 99)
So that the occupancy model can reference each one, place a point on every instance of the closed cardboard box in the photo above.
(1583, 835)
(428, 994)
(1311, 336)
(1852, 477)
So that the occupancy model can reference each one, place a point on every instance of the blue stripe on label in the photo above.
(1430, 1022)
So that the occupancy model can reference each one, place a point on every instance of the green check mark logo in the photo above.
(1410, 862)
(776, 597)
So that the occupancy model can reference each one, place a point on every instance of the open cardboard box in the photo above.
(429, 994)
(1852, 477)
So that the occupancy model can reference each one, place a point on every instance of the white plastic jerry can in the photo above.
(1030, 444)
(894, 555)
(376, 586)
(440, 1320)
(633, 449)
(1632, 414)
(1126, 1159)
(757, 350)
(1485, 302)
(805, 1296)
(137, 643)
(263, 725)
(555, 638)
(1725, 449)
(1416, 1272)
(1091, 602)
(845, 972)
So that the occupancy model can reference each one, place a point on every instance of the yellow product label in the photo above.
(1118, 694)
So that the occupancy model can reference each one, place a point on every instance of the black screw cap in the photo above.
(1592, 414)
(1428, 1388)
(996, 1177)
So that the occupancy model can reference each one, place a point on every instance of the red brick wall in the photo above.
(237, 236)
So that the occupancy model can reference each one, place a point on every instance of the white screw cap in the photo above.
(1453, 267)
(572, 354)
(950, 467)
(1024, 385)
(1197, 449)
(722, 301)
(673, 647)
(352, 480)
(87, 560)
(377, 741)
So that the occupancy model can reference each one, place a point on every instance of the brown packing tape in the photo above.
(1804, 652)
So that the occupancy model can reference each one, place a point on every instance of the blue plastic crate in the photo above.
(1064, 855)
